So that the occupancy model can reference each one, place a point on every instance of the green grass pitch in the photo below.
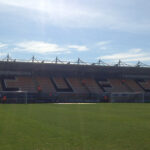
(75, 127)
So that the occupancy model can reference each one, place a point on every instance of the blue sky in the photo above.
(99, 29)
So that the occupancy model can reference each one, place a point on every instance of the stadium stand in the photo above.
(52, 82)
(144, 84)
(1, 89)
(77, 85)
(45, 84)
(61, 84)
(91, 86)
(132, 85)
(118, 86)
(20, 83)
(105, 85)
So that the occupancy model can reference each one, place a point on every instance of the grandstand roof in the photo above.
(69, 69)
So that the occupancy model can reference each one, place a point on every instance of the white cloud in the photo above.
(103, 45)
(135, 50)
(129, 56)
(58, 12)
(2, 45)
(78, 47)
(43, 47)
(3, 54)
(40, 47)
(113, 14)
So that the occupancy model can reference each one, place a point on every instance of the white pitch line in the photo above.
(74, 103)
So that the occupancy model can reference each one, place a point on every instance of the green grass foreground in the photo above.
(75, 127)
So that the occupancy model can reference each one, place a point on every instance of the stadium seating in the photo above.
(73, 82)
(105, 85)
(91, 85)
(1, 89)
(60, 83)
(77, 85)
(145, 84)
(23, 83)
(117, 86)
(45, 84)
(133, 85)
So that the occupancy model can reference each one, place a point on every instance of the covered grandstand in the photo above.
(57, 81)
